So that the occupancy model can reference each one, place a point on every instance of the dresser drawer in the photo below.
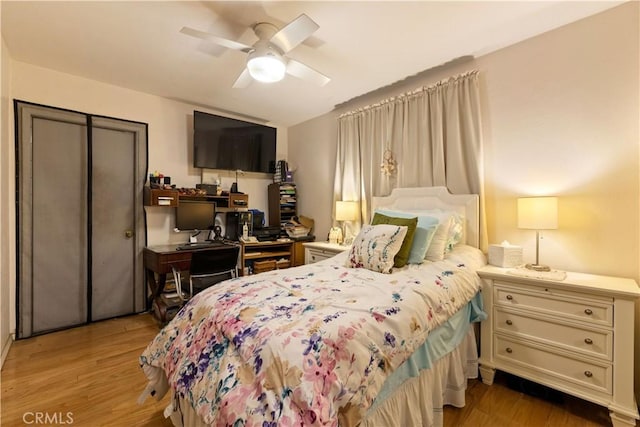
(591, 375)
(588, 341)
(576, 306)
(573, 334)
(315, 255)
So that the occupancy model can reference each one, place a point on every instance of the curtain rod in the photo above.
(414, 92)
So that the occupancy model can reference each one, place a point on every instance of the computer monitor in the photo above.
(194, 215)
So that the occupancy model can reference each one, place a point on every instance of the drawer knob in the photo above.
(588, 340)
(509, 350)
(509, 297)
(588, 374)
(509, 322)
(588, 311)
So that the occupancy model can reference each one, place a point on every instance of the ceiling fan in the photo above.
(266, 60)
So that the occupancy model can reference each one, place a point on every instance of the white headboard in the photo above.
(427, 198)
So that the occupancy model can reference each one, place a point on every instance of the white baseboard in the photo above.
(5, 348)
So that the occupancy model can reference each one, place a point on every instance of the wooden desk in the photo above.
(159, 259)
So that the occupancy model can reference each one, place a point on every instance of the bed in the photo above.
(347, 341)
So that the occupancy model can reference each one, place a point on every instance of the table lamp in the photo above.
(538, 213)
(346, 211)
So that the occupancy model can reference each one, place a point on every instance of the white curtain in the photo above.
(431, 135)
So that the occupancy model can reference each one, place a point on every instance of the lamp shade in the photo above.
(346, 211)
(538, 213)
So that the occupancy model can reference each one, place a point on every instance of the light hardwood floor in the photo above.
(92, 373)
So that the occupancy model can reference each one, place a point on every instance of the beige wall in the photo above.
(170, 152)
(560, 117)
(313, 157)
(170, 133)
(7, 218)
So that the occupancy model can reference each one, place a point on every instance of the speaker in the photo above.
(258, 219)
(234, 223)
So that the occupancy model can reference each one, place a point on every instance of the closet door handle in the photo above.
(128, 234)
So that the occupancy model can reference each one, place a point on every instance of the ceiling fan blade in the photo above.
(298, 69)
(294, 33)
(215, 39)
(243, 80)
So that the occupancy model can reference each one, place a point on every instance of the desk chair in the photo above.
(208, 267)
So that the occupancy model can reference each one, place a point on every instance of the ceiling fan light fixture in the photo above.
(266, 60)
(266, 67)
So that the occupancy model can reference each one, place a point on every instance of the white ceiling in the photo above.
(361, 45)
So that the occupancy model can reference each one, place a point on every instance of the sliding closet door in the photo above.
(117, 285)
(81, 229)
(52, 234)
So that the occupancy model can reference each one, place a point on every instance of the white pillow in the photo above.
(455, 232)
(440, 240)
(375, 247)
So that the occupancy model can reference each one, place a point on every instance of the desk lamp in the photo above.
(538, 213)
(346, 211)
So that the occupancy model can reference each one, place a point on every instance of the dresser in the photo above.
(575, 335)
(318, 251)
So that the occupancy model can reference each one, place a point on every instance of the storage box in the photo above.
(283, 263)
(505, 255)
(262, 266)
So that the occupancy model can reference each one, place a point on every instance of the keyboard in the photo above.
(199, 245)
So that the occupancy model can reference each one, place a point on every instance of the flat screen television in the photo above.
(229, 144)
(192, 215)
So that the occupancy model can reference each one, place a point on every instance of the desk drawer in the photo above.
(238, 200)
(159, 197)
(181, 260)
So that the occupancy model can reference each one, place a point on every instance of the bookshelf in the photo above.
(283, 203)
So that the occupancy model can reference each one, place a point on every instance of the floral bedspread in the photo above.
(308, 346)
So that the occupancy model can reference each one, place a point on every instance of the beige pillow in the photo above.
(375, 247)
(438, 245)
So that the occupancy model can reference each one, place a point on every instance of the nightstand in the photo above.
(575, 335)
(318, 251)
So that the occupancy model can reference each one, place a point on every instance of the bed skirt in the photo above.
(418, 401)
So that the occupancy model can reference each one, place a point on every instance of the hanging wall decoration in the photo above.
(388, 166)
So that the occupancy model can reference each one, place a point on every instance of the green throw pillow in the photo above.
(401, 258)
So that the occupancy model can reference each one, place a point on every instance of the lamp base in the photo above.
(538, 267)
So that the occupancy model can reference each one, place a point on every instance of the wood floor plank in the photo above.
(92, 372)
